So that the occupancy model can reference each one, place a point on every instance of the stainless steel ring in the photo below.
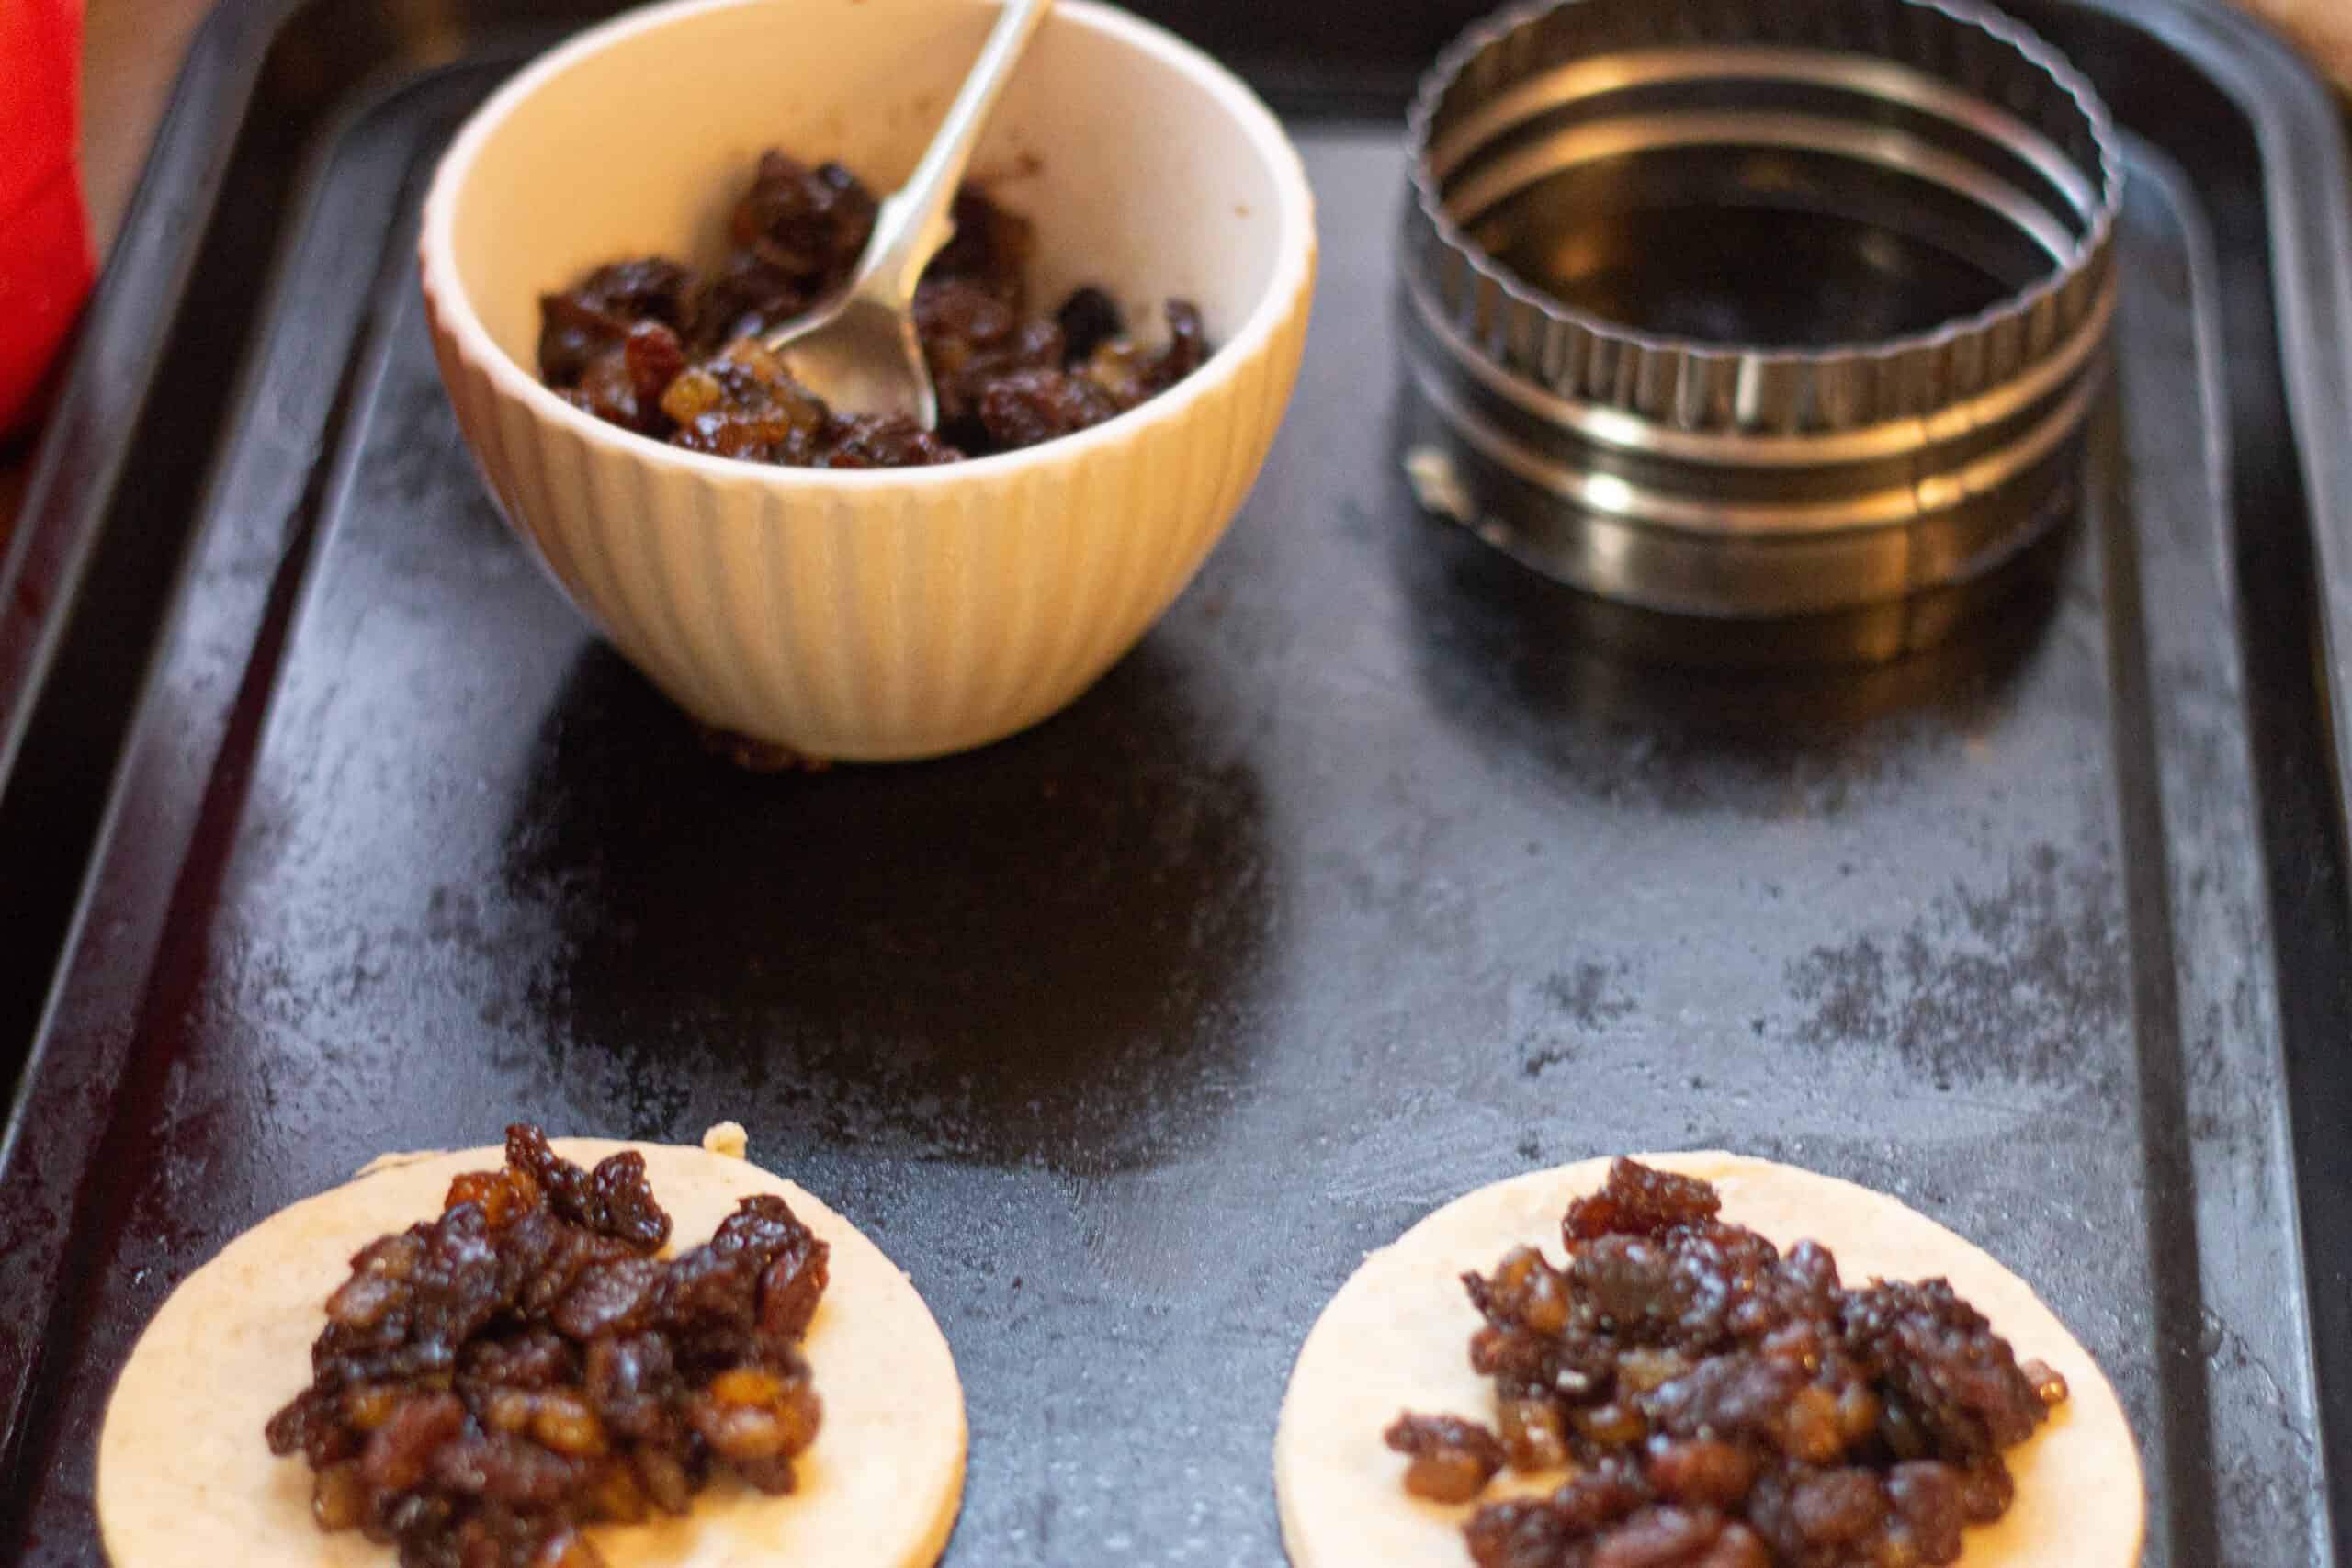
(1757, 311)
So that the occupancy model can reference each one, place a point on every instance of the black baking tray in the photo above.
(326, 829)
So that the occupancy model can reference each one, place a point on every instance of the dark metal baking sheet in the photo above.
(325, 828)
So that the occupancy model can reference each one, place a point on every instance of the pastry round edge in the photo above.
(184, 1474)
(2322, 27)
(1397, 1335)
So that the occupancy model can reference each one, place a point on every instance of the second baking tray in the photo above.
(327, 829)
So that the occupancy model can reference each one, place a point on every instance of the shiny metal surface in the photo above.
(1757, 313)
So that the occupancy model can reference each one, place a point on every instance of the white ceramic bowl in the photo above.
(888, 614)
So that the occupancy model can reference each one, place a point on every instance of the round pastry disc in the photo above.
(185, 1476)
(1397, 1338)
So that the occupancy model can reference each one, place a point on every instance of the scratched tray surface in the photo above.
(1362, 882)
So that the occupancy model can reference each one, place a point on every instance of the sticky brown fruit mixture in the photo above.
(493, 1380)
(1722, 1405)
(652, 347)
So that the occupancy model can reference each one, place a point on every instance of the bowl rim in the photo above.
(454, 317)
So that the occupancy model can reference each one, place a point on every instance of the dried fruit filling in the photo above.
(649, 345)
(491, 1381)
(1721, 1405)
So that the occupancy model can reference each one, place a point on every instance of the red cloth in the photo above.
(45, 263)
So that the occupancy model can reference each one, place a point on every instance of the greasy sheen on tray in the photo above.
(651, 347)
(1724, 1405)
(492, 1380)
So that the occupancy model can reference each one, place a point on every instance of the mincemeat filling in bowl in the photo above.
(652, 345)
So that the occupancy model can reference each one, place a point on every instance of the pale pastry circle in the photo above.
(1397, 1335)
(2322, 27)
(185, 1476)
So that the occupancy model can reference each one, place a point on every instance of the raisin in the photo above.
(1088, 319)
(1453, 1460)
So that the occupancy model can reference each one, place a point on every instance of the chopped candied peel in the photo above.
(491, 1383)
(651, 347)
(1718, 1405)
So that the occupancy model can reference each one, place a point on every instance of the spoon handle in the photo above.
(913, 223)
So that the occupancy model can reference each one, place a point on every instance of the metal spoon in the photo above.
(857, 348)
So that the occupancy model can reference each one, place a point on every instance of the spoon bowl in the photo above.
(861, 356)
